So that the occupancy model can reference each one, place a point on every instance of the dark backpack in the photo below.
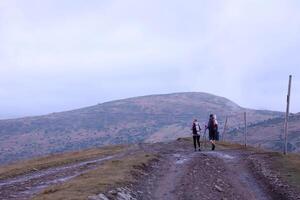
(194, 128)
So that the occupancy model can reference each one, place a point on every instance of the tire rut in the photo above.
(201, 175)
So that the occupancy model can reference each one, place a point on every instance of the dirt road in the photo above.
(187, 175)
(178, 174)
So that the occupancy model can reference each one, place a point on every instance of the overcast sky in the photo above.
(58, 55)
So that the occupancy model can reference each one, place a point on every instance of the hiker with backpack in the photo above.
(212, 127)
(196, 134)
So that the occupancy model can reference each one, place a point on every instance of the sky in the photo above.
(58, 55)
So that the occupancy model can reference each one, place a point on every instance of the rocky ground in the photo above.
(220, 174)
(183, 174)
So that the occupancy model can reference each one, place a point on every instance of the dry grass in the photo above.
(111, 173)
(288, 166)
(230, 145)
(27, 166)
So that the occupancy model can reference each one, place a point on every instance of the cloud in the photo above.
(69, 54)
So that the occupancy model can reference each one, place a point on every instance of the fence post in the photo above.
(224, 130)
(287, 115)
(245, 119)
(205, 138)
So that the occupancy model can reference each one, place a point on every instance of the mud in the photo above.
(184, 174)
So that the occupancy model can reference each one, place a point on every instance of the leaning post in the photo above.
(287, 115)
(245, 119)
(205, 138)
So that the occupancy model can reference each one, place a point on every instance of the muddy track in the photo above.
(24, 187)
(184, 174)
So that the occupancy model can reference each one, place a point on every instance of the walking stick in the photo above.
(205, 138)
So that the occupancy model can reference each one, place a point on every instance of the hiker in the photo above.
(196, 134)
(212, 127)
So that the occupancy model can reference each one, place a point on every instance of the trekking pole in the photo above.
(224, 130)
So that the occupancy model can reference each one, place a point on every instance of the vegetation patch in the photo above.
(112, 173)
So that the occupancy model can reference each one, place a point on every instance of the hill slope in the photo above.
(269, 133)
(148, 118)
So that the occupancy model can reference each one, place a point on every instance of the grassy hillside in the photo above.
(269, 133)
(149, 118)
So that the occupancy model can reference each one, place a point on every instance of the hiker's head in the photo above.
(211, 116)
(195, 120)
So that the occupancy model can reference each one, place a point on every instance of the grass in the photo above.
(111, 174)
(288, 166)
(23, 167)
(221, 144)
(230, 145)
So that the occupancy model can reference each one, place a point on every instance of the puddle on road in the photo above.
(220, 155)
(180, 159)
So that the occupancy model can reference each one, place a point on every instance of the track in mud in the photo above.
(25, 186)
(202, 175)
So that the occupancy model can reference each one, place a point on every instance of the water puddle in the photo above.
(181, 159)
(220, 155)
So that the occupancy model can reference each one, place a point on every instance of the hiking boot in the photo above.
(199, 149)
(213, 147)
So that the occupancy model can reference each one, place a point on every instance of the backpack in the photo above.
(196, 127)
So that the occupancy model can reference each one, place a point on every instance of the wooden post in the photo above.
(205, 138)
(287, 115)
(224, 130)
(245, 119)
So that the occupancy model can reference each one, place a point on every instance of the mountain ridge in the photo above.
(269, 133)
(148, 118)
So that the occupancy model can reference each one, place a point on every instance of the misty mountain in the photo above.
(141, 119)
